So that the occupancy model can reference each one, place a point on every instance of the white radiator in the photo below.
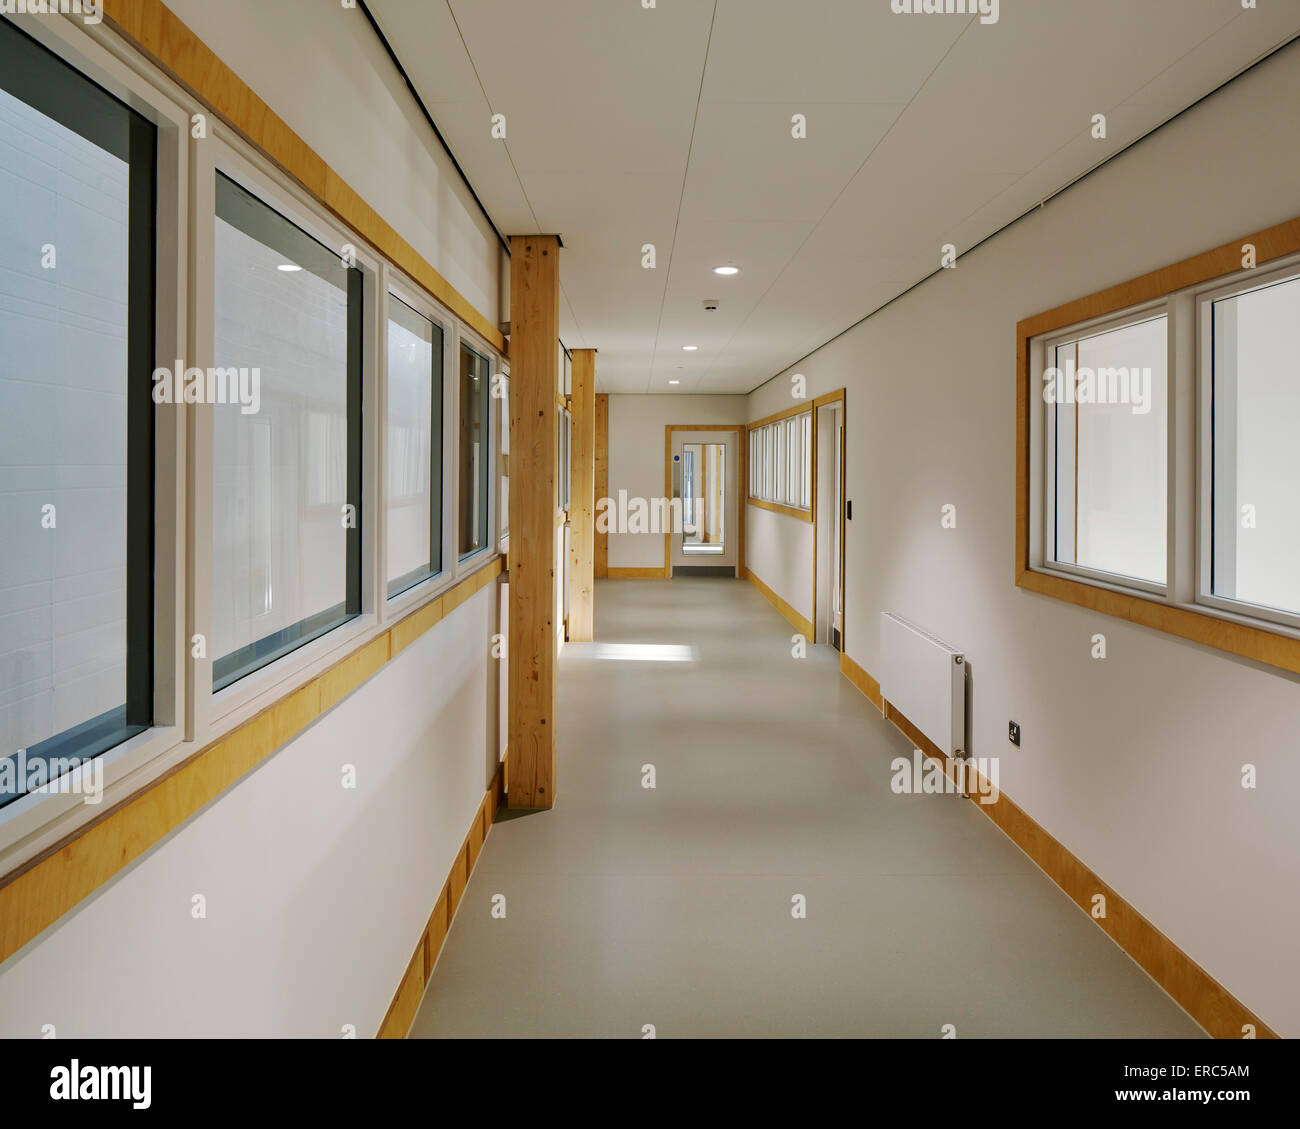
(925, 680)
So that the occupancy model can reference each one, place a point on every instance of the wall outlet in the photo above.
(1013, 732)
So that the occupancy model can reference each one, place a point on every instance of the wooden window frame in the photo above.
(1234, 634)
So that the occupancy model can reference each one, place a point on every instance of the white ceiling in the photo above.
(672, 125)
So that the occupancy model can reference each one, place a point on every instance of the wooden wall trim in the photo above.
(153, 29)
(617, 573)
(1247, 640)
(36, 894)
(1272, 243)
(1220, 1013)
(797, 621)
(778, 508)
(798, 410)
(419, 969)
(862, 680)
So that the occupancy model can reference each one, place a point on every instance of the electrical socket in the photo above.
(1013, 732)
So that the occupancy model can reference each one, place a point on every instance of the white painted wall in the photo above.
(779, 551)
(1133, 762)
(339, 91)
(636, 458)
(316, 894)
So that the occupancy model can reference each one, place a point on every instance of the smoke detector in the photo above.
(710, 304)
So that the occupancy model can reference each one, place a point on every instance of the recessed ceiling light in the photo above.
(726, 270)
(288, 267)
(674, 382)
(689, 348)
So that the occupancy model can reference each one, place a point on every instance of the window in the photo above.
(473, 451)
(806, 484)
(1107, 429)
(76, 417)
(755, 464)
(566, 438)
(414, 479)
(780, 462)
(503, 445)
(1185, 521)
(1255, 422)
(287, 474)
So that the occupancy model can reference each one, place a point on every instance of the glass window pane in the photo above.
(806, 499)
(414, 483)
(793, 473)
(1256, 453)
(779, 490)
(76, 420)
(473, 451)
(287, 461)
(503, 441)
(1110, 451)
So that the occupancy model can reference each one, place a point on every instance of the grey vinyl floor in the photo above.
(627, 906)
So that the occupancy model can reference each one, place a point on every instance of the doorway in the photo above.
(703, 537)
(828, 524)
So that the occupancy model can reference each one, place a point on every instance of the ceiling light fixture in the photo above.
(726, 270)
(288, 267)
(689, 348)
(674, 382)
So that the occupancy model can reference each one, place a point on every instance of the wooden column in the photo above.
(582, 497)
(601, 567)
(534, 499)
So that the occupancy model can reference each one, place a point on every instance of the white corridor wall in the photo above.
(1134, 763)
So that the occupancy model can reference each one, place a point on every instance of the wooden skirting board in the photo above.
(660, 573)
(406, 1000)
(35, 895)
(1203, 998)
(798, 621)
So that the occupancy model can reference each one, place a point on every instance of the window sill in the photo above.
(779, 508)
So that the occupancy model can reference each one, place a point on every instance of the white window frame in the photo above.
(222, 152)
(34, 822)
(1241, 283)
(395, 284)
(474, 561)
(1046, 417)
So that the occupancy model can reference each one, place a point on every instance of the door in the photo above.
(703, 538)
